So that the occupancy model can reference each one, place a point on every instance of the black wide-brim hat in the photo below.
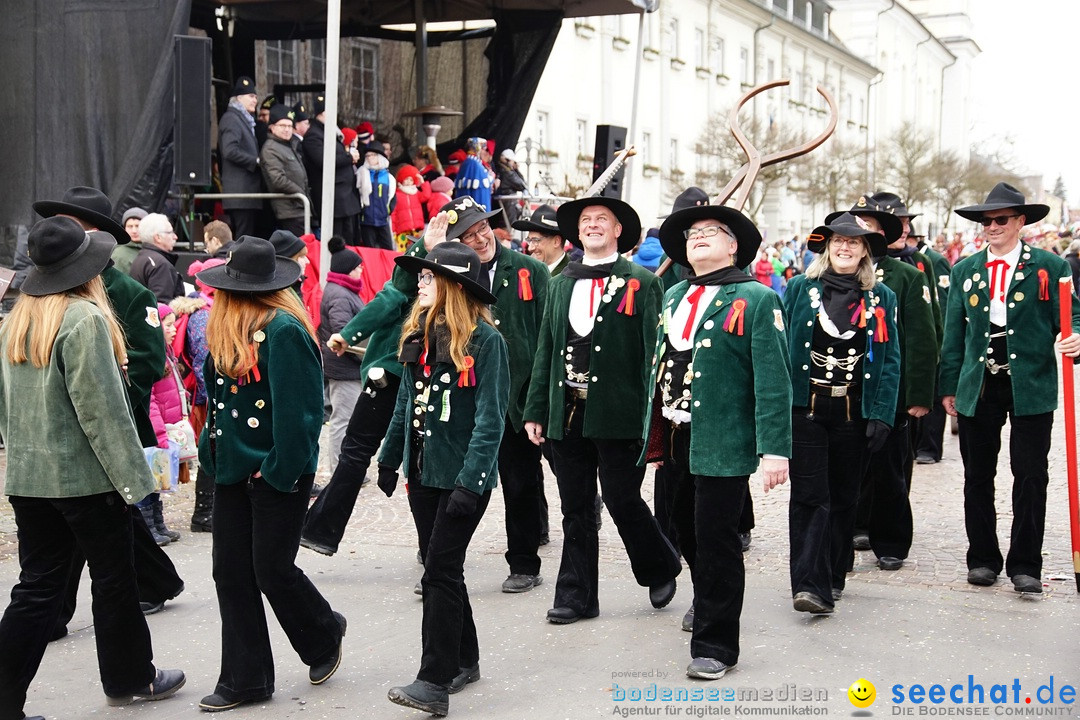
(1002, 197)
(568, 214)
(454, 261)
(846, 224)
(891, 202)
(891, 226)
(542, 220)
(89, 205)
(252, 267)
(673, 239)
(64, 255)
(462, 213)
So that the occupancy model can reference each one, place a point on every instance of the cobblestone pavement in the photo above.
(922, 624)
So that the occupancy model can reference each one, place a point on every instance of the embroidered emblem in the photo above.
(943, 281)
(233, 389)
(926, 294)
(152, 318)
(778, 319)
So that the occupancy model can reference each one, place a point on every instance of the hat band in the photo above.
(248, 277)
(459, 269)
(70, 259)
(549, 221)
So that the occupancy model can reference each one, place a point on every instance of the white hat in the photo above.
(508, 154)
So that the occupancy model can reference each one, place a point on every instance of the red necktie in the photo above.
(997, 269)
(694, 298)
(597, 284)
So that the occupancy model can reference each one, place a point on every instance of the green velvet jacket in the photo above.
(68, 426)
(941, 270)
(1032, 324)
(924, 265)
(618, 364)
(270, 425)
(881, 364)
(464, 425)
(741, 386)
(136, 311)
(918, 336)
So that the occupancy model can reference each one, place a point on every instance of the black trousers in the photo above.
(884, 511)
(521, 478)
(664, 498)
(328, 516)
(348, 227)
(243, 221)
(706, 514)
(448, 631)
(376, 236)
(295, 225)
(828, 446)
(50, 531)
(579, 461)
(1029, 446)
(256, 532)
(155, 573)
(931, 430)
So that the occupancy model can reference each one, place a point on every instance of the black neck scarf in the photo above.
(841, 295)
(485, 268)
(729, 275)
(903, 254)
(581, 271)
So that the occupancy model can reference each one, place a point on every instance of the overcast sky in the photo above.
(1025, 84)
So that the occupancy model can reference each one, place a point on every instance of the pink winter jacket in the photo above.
(166, 403)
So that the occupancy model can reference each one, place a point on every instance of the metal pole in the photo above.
(421, 67)
(333, 49)
(628, 182)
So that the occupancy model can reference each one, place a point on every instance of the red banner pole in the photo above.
(1065, 305)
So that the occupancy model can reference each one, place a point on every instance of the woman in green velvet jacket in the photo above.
(445, 433)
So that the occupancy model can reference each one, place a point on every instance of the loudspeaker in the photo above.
(610, 139)
(191, 110)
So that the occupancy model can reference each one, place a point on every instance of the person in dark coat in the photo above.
(155, 265)
(340, 304)
(283, 170)
(346, 198)
(239, 153)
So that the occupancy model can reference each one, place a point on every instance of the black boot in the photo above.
(159, 521)
(204, 502)
(148, 517)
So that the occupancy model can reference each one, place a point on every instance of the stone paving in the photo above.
(923, 623)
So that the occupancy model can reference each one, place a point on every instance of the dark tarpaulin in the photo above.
(517, 55)
(86, 102)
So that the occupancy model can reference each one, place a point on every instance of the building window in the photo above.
(799, 12)
(700, 60)
(583, 137)
(718, 55)
(542, 129)
(781, 7)
(862, 111)
(281, 62)
(818, 18)
(673, 39)
(361, 88)
(744, 66)
(770, 73)
(318, 60)
(646, 148)
(673, 155)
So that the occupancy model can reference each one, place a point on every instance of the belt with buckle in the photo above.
(832, 390)
(576, 392)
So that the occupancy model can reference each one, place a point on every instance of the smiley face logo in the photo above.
(862, 693)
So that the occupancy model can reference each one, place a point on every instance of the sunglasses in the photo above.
(999, 220)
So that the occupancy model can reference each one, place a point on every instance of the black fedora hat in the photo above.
(848, 225)
(690, 197)
(455, 261)
(252, 267)
(64, 255)
(542, 220)
(1002, 197)
(891, 227)
(891, 202)
(376, 147)
(462, 213)
(568, 215)
(673, 239)
(88, 204)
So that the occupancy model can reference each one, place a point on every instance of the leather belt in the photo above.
(832, 390)
(576, 392)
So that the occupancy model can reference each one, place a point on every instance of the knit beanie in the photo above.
(342, 259)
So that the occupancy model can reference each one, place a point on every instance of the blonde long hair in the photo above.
(234, 319)
(34, 323)
(456, 310)
(865, 272)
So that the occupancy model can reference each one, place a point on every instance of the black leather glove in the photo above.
(462, 503)
(387, 480)
(877, 433)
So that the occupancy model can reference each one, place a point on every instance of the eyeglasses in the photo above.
(838, 240)
(472, 235)
(425, 278)
(706, 232)
(999, 220)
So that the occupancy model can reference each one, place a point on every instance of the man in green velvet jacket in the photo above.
(999, 361)
(720, 401)
(588, 396)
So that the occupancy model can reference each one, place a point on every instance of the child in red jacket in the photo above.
(407, 218)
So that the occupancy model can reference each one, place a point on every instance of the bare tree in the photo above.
(906, 161)
(831, 175)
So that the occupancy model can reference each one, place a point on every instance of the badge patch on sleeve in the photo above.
(778, 319)
(926, 294)
(152, 318)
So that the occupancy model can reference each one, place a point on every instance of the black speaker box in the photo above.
(191, 110)
(610, 139)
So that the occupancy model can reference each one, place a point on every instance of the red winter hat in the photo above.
(365, 130)
(409, 171)
(457, 157)
(350, 136)
(491, 147)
